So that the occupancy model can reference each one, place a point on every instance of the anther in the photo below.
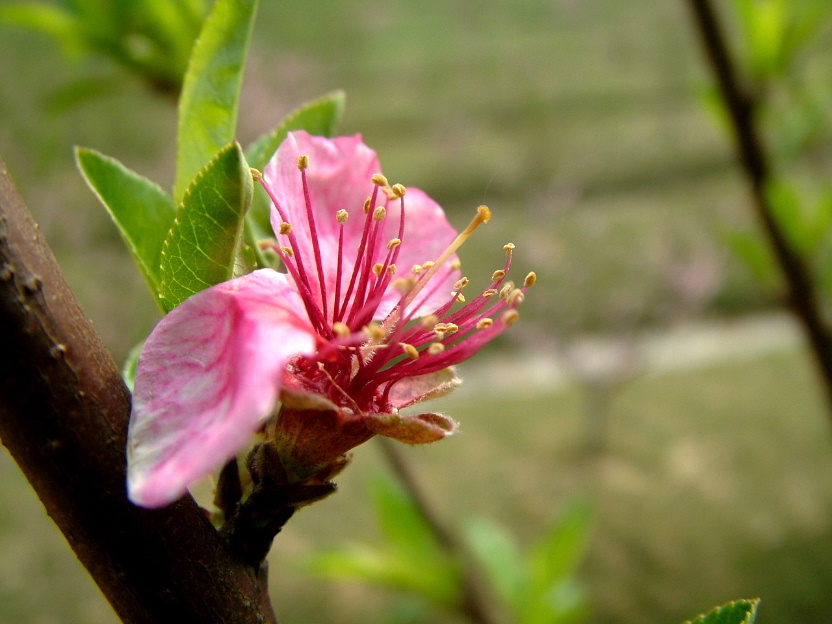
(379, 180)
(367, 204)
(340, 329)
(509, 247)
(436, 348)
(487, 294)
(417, 269)
(510, 317)
(285, 227)
(377, 268)
(391, 270)
(341, 216)
(256, 175)
(374, 331)
(410, 350)
(484, 323)
(428, 265)
(515, 297)
(379, 213)
(498, 275)
(288, 251)
(399, 190)
(403, 284)
(303, 162)
(456, 264)
(531, 278)
(429, 321)
(394, 242)
(462, 283)
(505, 290)
(460, 298)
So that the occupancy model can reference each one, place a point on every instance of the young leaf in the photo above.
(320, 117)
(204, 243)
(560, 552)
(141, 210)
(500, 558)
(211, 91)
(738, 612)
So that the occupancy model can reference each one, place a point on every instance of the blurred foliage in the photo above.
(535, 585)
(149, 38)
(738, 612)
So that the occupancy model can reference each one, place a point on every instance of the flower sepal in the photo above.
(413, 429)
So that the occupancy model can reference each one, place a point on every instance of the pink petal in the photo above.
(207, 378)
(413, 390)
(339, 177)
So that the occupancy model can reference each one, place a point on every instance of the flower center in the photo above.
(360, 359)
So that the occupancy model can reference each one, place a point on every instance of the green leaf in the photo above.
(558, 555)
(755, 254)
(141, 210)
(739, 612)
(211, 90)
(205, 242)
(320, 117)
(56, 22)
(500, 558)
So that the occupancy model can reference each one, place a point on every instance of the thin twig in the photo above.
(472, 606)
(742, 107)
(63, 417)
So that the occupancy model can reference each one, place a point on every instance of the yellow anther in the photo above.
(484, 323)
(288, 251)
(531, 278)
(417, 269)
(428, 265)
(391, 270)
(379, 180)
(462, 283)
(374, 331)
(436, 348)
(398, 190)
(367, 205)
(341, 330)
(429, 321)
(379, 213)
(403, 284)
(509, 247)
(265, 244)
(410, 350)
(487, 294)
(256, 175)
(303, 162)
(515, 297)
(483, 214)
(496, 276)
(285, 227)
(505, 290)
(341, 216)
(394, 242)
(510, 317)
(456, 264)
(451, 328)
(458, 297)
(377, 268)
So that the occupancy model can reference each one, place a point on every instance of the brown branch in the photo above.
(63, 416)
(752, 155)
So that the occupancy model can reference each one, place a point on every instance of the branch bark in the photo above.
(63, 416)
(751, 152)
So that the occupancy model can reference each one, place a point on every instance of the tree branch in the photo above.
(63, 416)
(752, 155)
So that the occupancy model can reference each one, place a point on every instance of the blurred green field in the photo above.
(578, 124)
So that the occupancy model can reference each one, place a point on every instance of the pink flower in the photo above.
(367, 320)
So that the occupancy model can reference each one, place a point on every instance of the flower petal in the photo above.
(419, 429)
(339, 177)
(208, 377)
(413, 390)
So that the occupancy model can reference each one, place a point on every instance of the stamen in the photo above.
(398, 190)
(288, 251)
(498, 275)
(429, 321)
(462, 283)
(410, 351)
(379, 180)
(391, 270)
(374, 331)
(285, 227)
(508, 247)
(484, 323)
(459, 297)
(531, 278)
(256, 175)
(378, 267)
(416, 269)
(394, 242)
(341, 216)
(303, 162)
(436, 348)
(367, 203)
(510, 317)
(341, 330)
(489, 293)
(515, 298)
(379, 213)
